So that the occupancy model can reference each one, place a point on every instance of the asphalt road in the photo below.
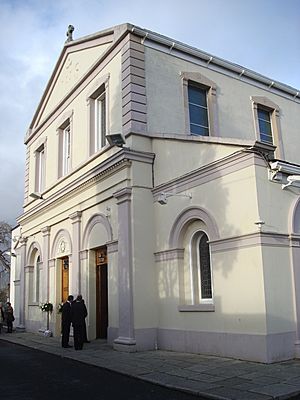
(28, 374)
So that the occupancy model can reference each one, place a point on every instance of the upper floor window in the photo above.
(97, 100)
(100, 121)
(198, 110)
(266, 116)
(64, 131)
(200, 103)
(66, 150)
(40, 169)
(265, 126)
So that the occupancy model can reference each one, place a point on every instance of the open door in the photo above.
(64, 279)
(101, 293)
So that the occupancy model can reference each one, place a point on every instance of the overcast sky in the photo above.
(263, 35)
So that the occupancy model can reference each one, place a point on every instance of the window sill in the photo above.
(196, 308)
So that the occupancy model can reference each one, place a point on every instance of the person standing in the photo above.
(79, 313)
(1, 317)
(9, 317)
(66, 319)
(85, 338)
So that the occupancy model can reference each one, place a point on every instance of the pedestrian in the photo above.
(9, 317)
(66, 319)
(79, 313)
(85, 338)
(1, 317)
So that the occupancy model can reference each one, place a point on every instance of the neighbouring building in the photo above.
(186, 236)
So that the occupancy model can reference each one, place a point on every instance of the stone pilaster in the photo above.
(126, 340)
(23, 242)
(46, 255)
(75, 277)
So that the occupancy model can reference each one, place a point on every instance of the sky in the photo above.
(262, 35)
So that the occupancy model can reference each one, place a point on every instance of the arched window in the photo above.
(200, 269)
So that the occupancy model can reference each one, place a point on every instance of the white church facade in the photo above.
(163, 184)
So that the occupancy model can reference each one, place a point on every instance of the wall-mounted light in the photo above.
(163, 196)
(36, 195)
(115, 139)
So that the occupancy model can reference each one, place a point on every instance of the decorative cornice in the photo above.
(119, 160)
(75, 217)
(168, 255)
(46, 230)
(84, 254)
(123, 195)
(269, 239)
(112, 247)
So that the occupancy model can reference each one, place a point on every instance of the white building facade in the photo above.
(187, 237)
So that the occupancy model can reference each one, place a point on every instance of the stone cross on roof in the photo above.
(70, 33)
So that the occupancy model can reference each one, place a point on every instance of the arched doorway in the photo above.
(64, 279)
(101, 292)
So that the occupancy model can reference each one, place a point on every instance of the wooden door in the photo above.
(64, 279)
(101, 293)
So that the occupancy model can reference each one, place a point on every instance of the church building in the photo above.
(163, 184)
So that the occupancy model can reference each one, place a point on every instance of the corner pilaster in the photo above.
(23, 244)
(126, 339)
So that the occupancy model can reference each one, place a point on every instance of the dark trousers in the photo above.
(9, 326)
(78, 336)
(65, 329)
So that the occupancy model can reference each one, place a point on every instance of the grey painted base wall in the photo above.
(259, 348)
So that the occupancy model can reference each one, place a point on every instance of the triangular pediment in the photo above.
(76, 60)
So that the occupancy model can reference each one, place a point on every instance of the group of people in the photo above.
(74, 312)
(7, 316)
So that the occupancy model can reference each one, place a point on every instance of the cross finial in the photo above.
(70, 33)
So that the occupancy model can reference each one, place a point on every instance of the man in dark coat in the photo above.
(79, 313)
(66, 319)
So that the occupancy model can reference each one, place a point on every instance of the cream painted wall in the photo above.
(80, 140)
(239, 295)
(274, 203)
(144, 279)
(75, 65)
(174, 158)
(279, 289)
(234, 108)
(231, 200)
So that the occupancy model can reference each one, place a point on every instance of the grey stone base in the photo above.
(20, 328)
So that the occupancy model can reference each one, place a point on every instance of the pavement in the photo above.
(206, 376)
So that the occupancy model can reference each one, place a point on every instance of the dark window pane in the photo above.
(197, 96)
(263, 114)
(198, 115)
(265, 127)
(206, 290)
(199, 130)
(266, 138)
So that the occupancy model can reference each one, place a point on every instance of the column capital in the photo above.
(75, 217)
(23, 240)
(123, 194)
(46, 230)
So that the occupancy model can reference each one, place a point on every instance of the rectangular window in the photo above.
(198, 110)
(100, 122)
(66, 150)
(265, 126)
(40, 170)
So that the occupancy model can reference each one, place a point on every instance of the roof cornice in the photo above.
(211, 60)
